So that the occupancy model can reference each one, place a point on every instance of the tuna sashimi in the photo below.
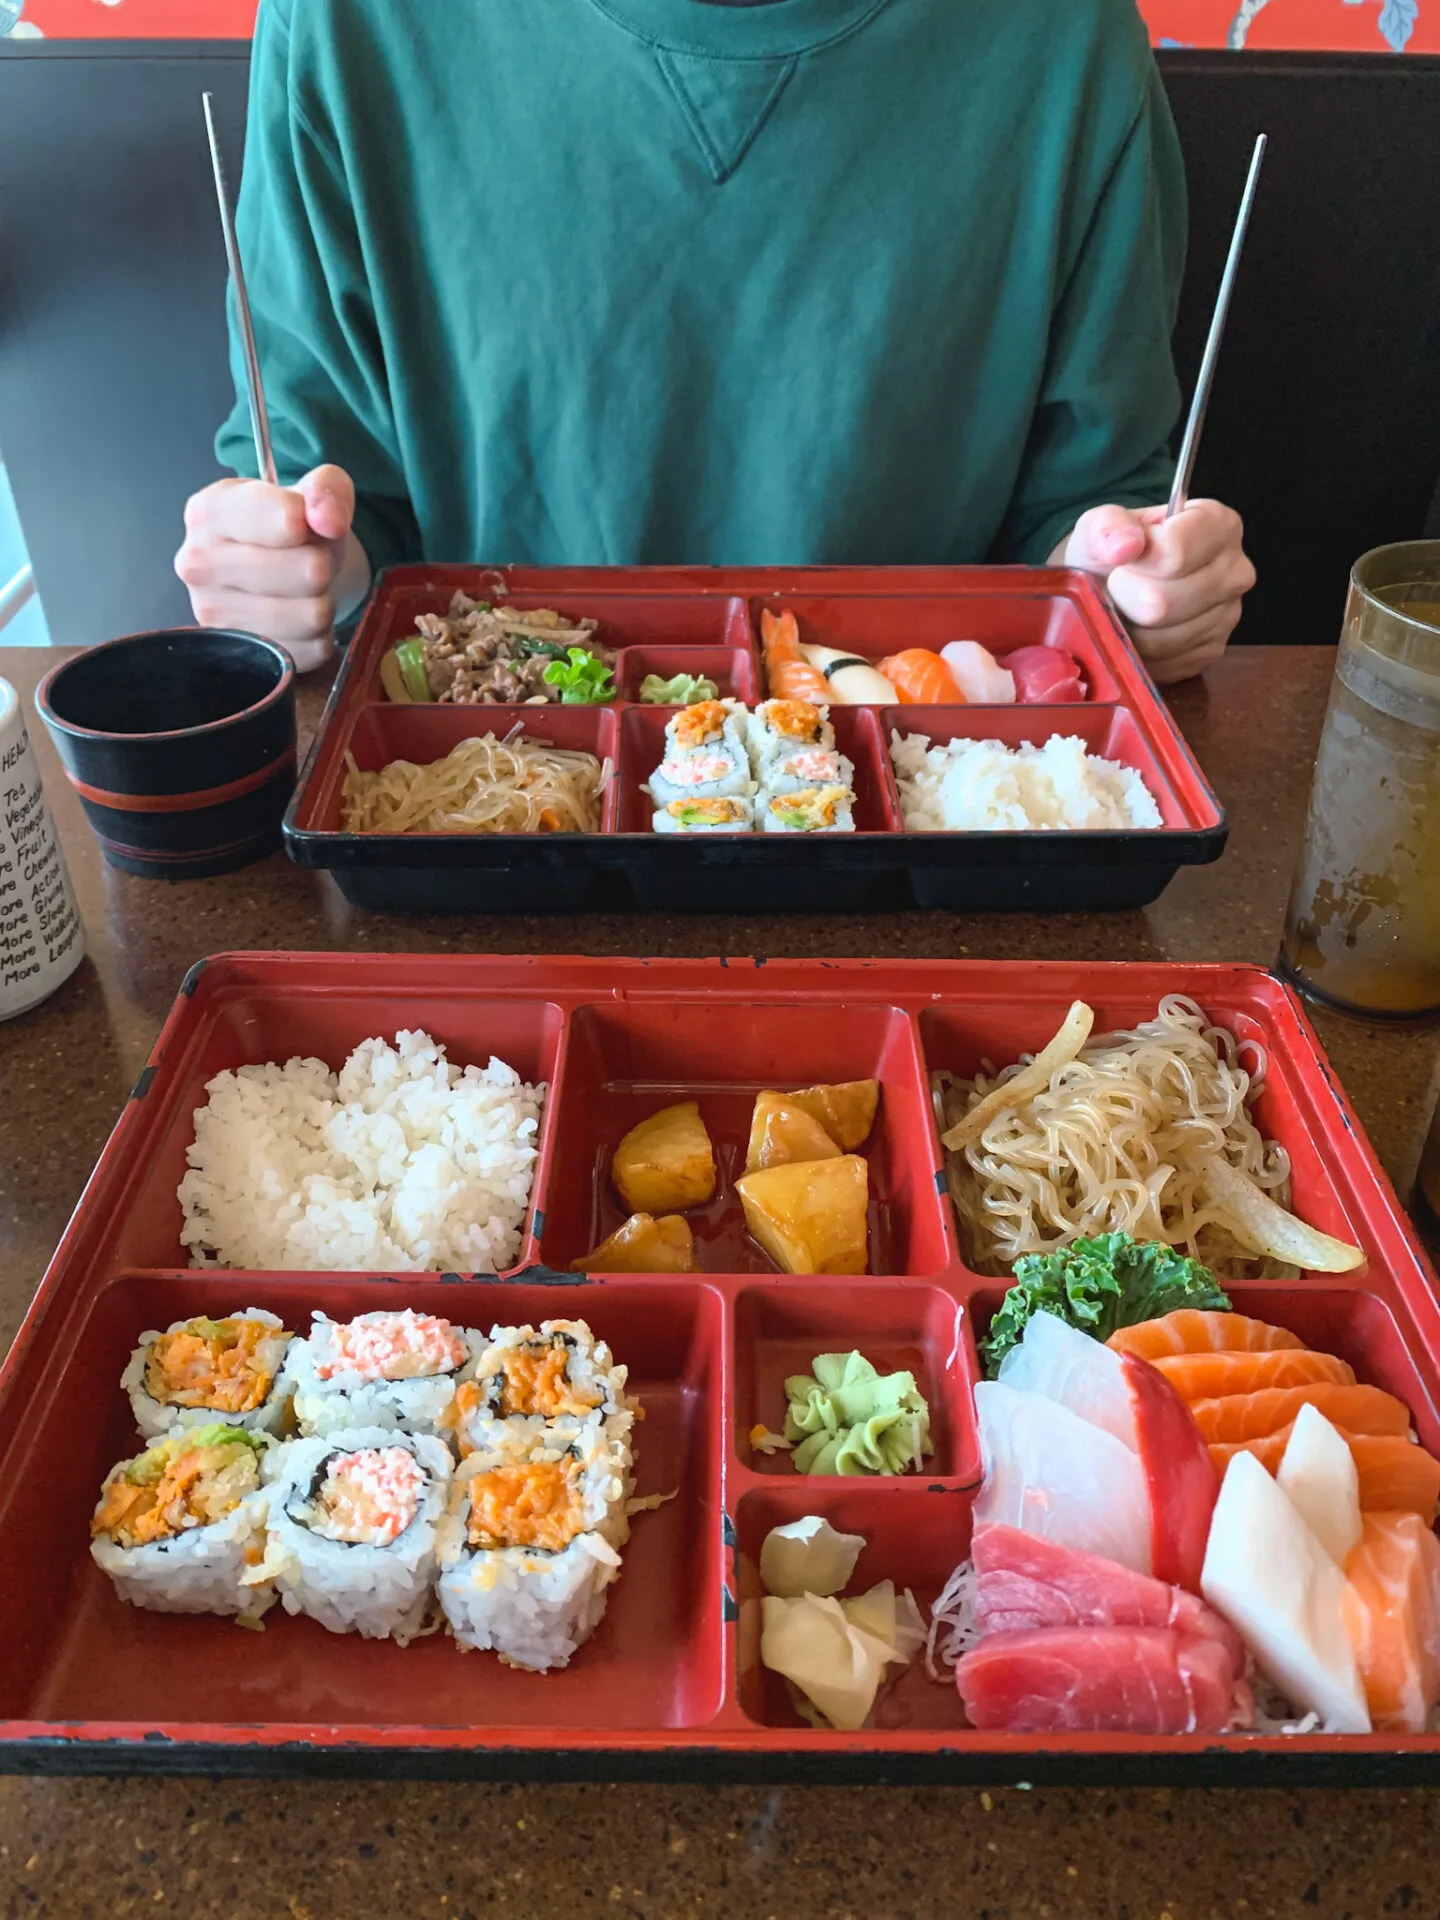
(1250, 1416)
(1051, 1473)
(1128, 1398)
(1023, 1583)
(1098, 1680)
(1395, 1474)
(1195, 1330)
(1208, 1376)
(1044, 675)
(1392, 1614)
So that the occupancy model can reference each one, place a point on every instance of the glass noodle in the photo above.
(1118, 1141)
(484, 785)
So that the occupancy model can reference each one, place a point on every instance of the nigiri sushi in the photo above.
(787, 672)
(1044, 676)
(921, 678)
(853, 682)
(978, 674)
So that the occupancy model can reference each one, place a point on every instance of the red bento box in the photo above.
(670, 1686)
(669, 620)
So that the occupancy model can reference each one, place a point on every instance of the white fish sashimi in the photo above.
(978, 674)
(1060, 1363)
(1318, 1475)
(1272, 1580)
(1051, 1473)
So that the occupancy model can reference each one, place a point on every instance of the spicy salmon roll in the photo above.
(394, 1370)
(201, 1371)
(529, 1547)
(181, 1527)
(351, 1528)
(707, 726)
(780, 727)
(554, 1380)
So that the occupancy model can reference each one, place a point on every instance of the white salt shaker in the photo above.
(41, 938)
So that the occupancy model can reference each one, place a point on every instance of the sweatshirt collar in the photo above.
(778, 31)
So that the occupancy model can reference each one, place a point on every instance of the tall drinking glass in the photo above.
(1363, 927)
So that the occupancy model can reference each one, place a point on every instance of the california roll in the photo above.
(393, 1370)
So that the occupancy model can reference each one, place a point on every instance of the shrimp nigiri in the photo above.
(921, 678)
(789, 674)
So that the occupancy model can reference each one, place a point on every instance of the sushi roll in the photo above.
(706, 726)
(546, 1382)
(179, 1528)
(812, 810)
(809, 767)
(781, 727)
(734, 814)
(199, 1372)
(351, 1530)
(393, 1370)
(531, 1544)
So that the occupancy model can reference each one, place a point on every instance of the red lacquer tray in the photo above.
(670, 620)
(670, 1686)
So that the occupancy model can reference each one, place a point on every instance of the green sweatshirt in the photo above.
(594, 282)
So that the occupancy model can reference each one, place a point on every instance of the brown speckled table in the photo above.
(303, 1851)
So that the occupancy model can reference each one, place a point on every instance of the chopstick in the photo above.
(1190, 445)
(255, 389)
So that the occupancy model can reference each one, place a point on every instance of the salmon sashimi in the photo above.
(1192, 1330)
(921, 678)
(788, 673)
(1391, 1609)
(1209, 1376)
(1250, 1416)
(1395, 1475)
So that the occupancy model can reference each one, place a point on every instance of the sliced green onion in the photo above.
(411, 655)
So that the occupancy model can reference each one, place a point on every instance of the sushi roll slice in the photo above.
(351, 1528)
(706, 726)
(541, 1383)
(705, 755)
(179, 1529)
(530, 1546)
(734, 814)
(812, 810)
(781, 727)
(393, 1370)
(810, 767)
(199, 1372)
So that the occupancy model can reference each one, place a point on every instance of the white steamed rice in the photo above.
(401, 1161)
(968, 785)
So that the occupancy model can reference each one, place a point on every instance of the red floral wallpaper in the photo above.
(1401, 26)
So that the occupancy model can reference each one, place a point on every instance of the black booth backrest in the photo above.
(1324, 428)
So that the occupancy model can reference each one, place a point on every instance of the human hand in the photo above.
(1178, 583)
(274, 560)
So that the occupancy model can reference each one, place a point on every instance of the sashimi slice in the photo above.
(1392, 1614)
(1250, 1416)
(1097, 1680)
(1044, 675)
(1395, 1474)
(978, 674)
(1197, 1330)
(1126, 1397)
(1048, 1472)
(1023, 1583)
(1178, 1474)
(921, 678)
(1208, 1376)
(1274, 1582)
(1318, 1477)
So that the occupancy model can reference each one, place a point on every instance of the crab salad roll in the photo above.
(352, 1524)
(181, 1527)
(812, 810)
(393, 1370)
(549, 1382)
(705, 757)
(529, 1547)
(779, 727)
(734, 815)
(806, 767)
(199, 1372)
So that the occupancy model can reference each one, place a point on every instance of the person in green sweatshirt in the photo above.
(730, 282)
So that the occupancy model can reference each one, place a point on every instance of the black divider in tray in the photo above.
(668, 621)
(671, 1683)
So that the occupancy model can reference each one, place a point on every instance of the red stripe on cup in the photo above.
(185, 802)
